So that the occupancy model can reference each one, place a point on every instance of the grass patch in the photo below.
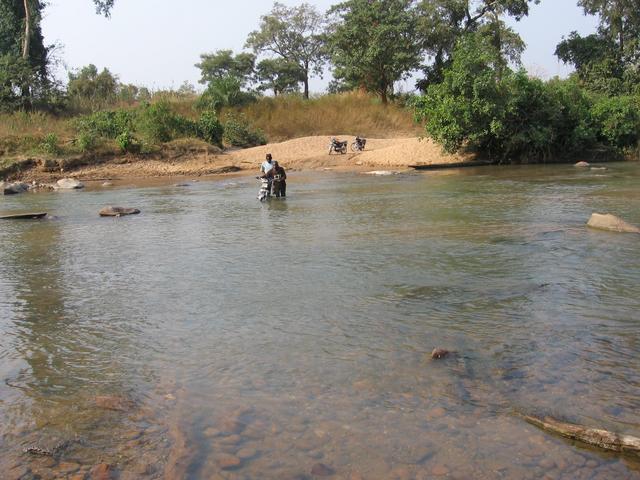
(287, 117)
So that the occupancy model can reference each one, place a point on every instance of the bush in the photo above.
(50, 144)
(618, 121)
(86, 141)
(210, 129)
(184, 127)
(156, 122)
(108, 123)
(127, 142)
(224, 92)
(238, 132)
(514, 118)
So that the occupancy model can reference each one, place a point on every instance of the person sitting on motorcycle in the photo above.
(279, 180)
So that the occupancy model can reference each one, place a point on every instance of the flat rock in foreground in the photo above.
(611, 223)
(13, 188)
(69, 184)
(118, 211)
(23, 216)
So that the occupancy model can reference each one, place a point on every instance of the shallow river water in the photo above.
(214, 337)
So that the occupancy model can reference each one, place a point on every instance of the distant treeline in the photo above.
(471, 92)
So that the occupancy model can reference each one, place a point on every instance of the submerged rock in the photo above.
(69, 184)
(611, 223)
(322, 470)
(228, 462)
(380, 172)
(112, 402)
(13, 188)
(581, 164)
(439, 353)
(102, 471)
(118, 211)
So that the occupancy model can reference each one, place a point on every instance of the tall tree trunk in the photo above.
(384, 97)
(306, 80)
(26, 43)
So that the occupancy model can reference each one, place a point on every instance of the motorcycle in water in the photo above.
(265, 188)
(337, 146)
(358, 145)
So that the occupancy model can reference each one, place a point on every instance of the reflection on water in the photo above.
(216, 337)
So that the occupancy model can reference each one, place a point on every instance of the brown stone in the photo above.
(102, 471)
(228, 462)
(117, 211)
(68, 467)
(78, 476)
(440, 471)
(246, 453)
(437, 412)
(230, 440)
(439, 353)
(113, 402)
(356, 476)
(322, 470)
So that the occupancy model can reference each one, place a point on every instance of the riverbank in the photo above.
(307, 153)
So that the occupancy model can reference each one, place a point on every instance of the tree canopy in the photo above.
(223, 63)
(374, 44)
(295, 34)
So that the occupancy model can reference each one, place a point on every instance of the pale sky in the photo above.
(155, 43)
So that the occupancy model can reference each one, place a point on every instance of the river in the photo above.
(214, 337)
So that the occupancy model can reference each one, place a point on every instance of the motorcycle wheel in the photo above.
(343, 150)
(354, 147)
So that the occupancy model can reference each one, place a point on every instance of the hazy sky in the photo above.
(157, 42)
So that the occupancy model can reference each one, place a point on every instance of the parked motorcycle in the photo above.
(358, 145)
(337, 146)
(265, 188)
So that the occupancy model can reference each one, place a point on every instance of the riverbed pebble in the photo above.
(439, 471)
(101, 471)
(322, 470)
(113, 402)
(228, 462)
(439, 353)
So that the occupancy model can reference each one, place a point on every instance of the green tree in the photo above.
(510, 118)
(619, 21)
(465, 108)
(223, 63)
(21, 38)
(295, 34)
(374, 43)
(598, 63)
(278, 75)
(607, 62)
(442, 22)
(99, 89)
(224, 92)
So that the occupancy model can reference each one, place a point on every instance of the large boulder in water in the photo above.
(611, 223)
(69, 184)
(581, 164)
(13, 188)
(117, 211)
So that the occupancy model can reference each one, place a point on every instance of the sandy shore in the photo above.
(307, 153)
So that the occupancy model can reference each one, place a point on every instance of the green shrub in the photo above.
(50, 144)
(127, 142)
(108, 123)
(209, 128)
(240, 133)
(86, 141)
(184, 127)
(156, 122)
(618, 121)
